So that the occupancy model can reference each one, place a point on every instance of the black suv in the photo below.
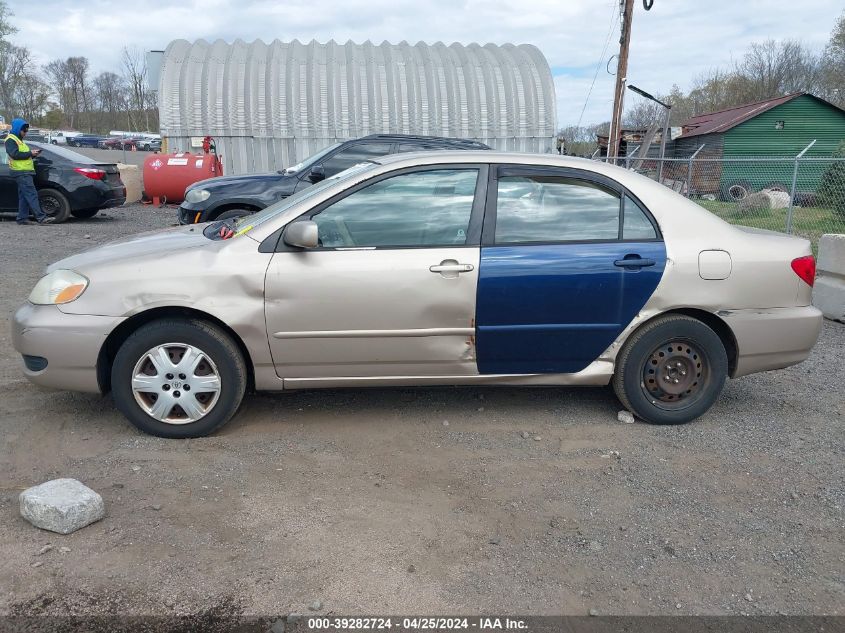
(236, 196)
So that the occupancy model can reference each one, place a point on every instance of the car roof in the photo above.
(487, 156)
(435, 140)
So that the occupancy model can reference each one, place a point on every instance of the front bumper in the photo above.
(70, 343)
(190, 215)
(772, 338)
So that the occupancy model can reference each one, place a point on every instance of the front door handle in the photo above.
(451, 268)
(634, 261)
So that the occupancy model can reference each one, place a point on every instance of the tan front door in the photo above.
(391, 290)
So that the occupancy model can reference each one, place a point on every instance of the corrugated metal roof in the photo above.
(270, 105)
(724, 120)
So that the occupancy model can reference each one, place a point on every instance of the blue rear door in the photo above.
(568, 260)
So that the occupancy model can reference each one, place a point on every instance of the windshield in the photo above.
(311, 159)
(283, 205)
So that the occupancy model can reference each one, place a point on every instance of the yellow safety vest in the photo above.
(26, 164)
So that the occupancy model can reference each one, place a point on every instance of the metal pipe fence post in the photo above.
(794, 184)
(689, 169)
(663, 142)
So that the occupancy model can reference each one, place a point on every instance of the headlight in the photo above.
(60, 286)
(197, 195)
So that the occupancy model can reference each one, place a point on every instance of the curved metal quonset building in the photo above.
(271, 105)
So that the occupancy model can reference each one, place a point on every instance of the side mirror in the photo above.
(302, 234)
(316, 174)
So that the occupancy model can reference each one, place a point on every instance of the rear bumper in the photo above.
(70, 344)
(772, 338)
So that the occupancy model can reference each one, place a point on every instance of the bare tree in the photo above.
(31, 95)
(134, 66)
(77, 68)
(61, 82)
(15, 63)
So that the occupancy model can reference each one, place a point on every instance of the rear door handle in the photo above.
(451, 268)
(634, 261)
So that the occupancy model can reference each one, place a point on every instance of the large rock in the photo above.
(61, 505)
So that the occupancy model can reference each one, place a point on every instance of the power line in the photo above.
(613, 18)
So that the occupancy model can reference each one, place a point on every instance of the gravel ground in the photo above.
(426, 500)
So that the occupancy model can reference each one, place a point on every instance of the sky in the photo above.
(671, 44)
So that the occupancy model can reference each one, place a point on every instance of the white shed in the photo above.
(271, 105)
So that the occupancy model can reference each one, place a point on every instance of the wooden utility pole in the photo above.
(621, 79)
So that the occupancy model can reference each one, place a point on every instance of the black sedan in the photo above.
(68, 183)
(230, 197)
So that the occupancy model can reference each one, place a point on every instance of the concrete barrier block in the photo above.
(829, 297)
(131, 177)
(832, 254)
(829, 289)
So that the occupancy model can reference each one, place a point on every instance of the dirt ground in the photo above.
(425, 500)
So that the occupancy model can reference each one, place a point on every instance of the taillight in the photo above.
(90, 172)
(805, 267)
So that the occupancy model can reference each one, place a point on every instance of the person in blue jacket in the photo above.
(22, 166)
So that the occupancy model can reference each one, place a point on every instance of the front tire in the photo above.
(54, 204)
(671, 370)
(178, 378)
(233, 214)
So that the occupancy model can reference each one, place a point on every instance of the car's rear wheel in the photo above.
(232, 214)
(178, 378)
(84, 214)
(671, 370)
(54, 204)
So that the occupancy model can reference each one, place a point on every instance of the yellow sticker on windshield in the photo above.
(246, 229)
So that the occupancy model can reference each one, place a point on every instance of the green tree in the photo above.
(832, 186)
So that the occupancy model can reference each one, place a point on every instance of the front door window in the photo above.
(419, 209)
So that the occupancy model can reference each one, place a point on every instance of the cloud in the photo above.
(672, 44)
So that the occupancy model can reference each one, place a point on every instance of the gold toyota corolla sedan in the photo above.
(442, 268)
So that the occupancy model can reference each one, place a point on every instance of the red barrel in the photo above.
(167, 175)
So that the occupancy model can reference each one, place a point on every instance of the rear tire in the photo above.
(54, 204)
(671, 370)
(84, 214)
(210, 385)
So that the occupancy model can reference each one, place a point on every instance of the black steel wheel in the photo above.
(54, 204)
(674, 374)
(671, 370)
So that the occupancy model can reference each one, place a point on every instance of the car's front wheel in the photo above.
(178, 378)
(671, 370)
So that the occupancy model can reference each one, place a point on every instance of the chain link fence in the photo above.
(799, 195)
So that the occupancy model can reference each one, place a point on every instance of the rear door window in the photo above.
(636, 225)
(546, 208)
